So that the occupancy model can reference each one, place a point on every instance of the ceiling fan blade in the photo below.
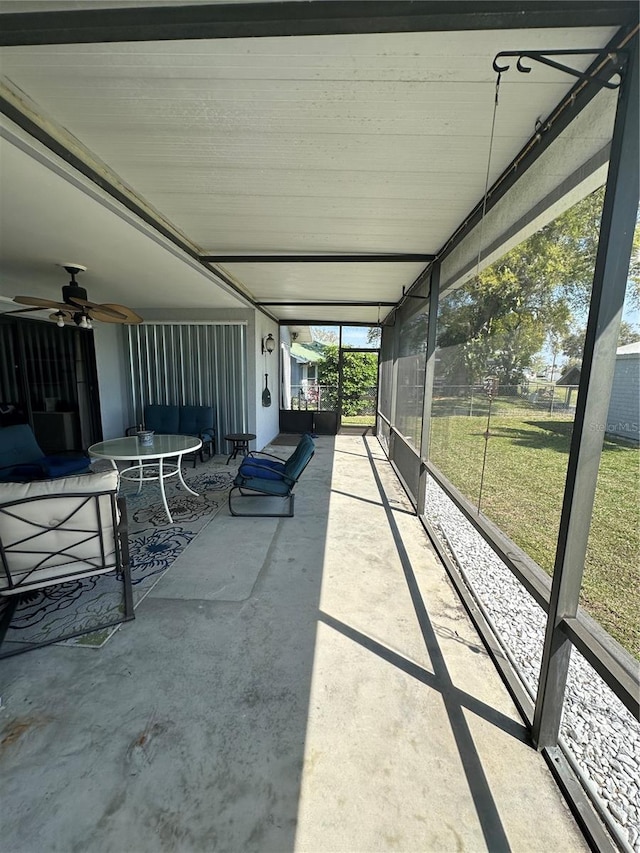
(21, 311)
(117, 315)
(43, 303)
(129, 316)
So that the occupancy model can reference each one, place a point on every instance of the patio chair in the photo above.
(56, 531)
(262, 475)
(22, 459)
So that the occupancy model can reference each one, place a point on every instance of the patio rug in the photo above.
(154, 544)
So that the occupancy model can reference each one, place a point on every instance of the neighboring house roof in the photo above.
(571, 377)
(629, 349)
(304, 353)
(301, 334)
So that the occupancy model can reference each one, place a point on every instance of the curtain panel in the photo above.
(203, 364)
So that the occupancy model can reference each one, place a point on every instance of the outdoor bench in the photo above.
(181, 420)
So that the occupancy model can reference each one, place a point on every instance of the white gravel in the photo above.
(598, 731)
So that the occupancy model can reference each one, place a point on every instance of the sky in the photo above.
(352, 336)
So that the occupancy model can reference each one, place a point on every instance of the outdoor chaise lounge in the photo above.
(262, 475)
(22, 459)
(56, 531)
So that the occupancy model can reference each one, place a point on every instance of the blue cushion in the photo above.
(18, 445)
(259, 462)
(195, 420)
(22, 460)
(63, 466)
(298, 460)
(261, 484)
(21, 473)
(259, 468)
(164, 420)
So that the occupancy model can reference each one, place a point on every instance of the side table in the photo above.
(240, 442)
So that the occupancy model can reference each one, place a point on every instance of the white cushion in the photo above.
(102, 481)
(55, 538)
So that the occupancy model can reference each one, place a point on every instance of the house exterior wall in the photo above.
(266, 418)
(624, 409)
(112, 364)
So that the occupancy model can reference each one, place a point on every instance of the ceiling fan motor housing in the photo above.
(73, 291)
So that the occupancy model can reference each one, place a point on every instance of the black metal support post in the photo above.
(395, 331)
(429, 374)
(609, 286)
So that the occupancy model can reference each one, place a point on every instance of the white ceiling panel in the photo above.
(346, 144)
(45, 221)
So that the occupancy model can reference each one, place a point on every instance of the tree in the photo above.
(500, 320)
(374, 335)
(573, 344)
(359, 374)
(325, 334)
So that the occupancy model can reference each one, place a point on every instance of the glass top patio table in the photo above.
(149, 458)
(132, 448)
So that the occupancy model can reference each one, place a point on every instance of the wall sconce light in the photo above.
(268, 344)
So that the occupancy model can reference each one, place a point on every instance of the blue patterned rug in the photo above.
(153, 546)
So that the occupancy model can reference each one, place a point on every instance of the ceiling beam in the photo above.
(318, 259)
(326, 322)
(336, 303)
(322, 17)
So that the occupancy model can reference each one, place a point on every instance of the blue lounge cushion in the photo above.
(22, 460)
(298, 460)
(263, 484)
(63, 466)
(21, 473)
(267, 469)
(18, 445)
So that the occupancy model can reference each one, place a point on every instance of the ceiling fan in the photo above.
(75, 308)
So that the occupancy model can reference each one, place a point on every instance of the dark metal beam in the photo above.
(621, 677)
(587, 811)
(598, 364)
(318, 259)
(322, 17)
(429, 375)
(314, 321)
(329, 304)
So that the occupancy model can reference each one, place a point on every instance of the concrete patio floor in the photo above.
(334, 697)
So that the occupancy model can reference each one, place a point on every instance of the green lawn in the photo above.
(526, 464)
(358, 420)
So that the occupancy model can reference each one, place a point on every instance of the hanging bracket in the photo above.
(613, 63)
(410, 295)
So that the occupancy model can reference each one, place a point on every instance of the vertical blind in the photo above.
(47, 361)
(191, 365)
(9, 391)
(50, 357)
